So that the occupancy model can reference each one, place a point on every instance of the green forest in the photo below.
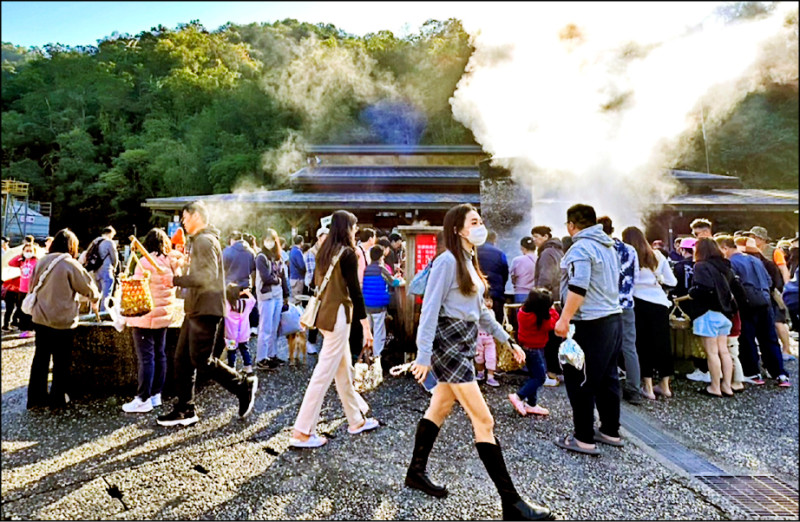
(98, 129)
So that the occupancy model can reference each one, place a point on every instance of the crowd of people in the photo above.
(734, 294)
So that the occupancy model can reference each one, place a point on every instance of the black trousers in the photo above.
(601, 341)
(653, 339)
(58, 344)
(24, 321)
(13, 304)
(551, 353)
(201, 342)
(497, 307)
(759, 324)
(356, 340)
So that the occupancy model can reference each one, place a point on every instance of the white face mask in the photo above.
(269, 245)
(477, 235)
(27, 255)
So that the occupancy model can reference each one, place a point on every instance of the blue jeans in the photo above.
(268, 323)
(105, 282)
(242, 348)
(150, 345)
(520, 298)
(534, 361)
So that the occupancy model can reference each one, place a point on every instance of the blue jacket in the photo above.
(494, 264)
(239, 264)
(297, 265)
(591, 268)
(751, 272)
(375, 289)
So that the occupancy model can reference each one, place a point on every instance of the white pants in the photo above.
(378, 324)
(334, 363)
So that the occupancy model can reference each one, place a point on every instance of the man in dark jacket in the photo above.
(547, 273)
(494, 264)
(238, 261)
(202, 340)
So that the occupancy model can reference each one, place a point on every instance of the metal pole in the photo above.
(25, 218)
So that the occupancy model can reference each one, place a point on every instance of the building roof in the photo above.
(288, 199)
(750, 200)
(394, 149)
(701, 179)
(383, 175)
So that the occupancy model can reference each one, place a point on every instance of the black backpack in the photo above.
(93, 260)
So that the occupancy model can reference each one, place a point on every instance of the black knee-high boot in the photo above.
(417, 476)
(514, 508)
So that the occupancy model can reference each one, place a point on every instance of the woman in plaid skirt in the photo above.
(452, 310)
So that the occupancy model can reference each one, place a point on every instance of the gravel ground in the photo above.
(755, 431)
(93, 461)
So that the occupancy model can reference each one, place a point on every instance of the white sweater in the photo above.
(647, 287)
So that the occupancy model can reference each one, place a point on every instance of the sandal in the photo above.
(657, 391)
(704, 391)
(651, 396)
(314, 441)
(599, 436)
(369, 424)
(569, 443)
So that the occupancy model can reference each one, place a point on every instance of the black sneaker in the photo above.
(632, 397)
(274, 362)
(263, 364)
(178, 418)
(247, 397)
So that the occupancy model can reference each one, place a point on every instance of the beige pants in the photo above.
(334, 363)
(733, 348)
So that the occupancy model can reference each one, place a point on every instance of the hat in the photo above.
(688, 243)
(322, 230)
(759, 232)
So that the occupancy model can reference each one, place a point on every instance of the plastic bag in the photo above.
(290, 320)
(569, 352)
(112, 307)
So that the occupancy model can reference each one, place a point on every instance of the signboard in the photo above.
(172, 227)
(424, 251)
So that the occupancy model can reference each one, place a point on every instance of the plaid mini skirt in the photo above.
(454, 350)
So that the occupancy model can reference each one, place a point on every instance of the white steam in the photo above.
(585, 100)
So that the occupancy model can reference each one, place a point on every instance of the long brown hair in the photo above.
(453, 222)
(64, 242)
(342, 222)
(275, 253)
(705, 249)
(635, 238)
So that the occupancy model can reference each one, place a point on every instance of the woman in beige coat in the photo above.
(150, 331)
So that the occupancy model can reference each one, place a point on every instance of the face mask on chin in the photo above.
(477, 235)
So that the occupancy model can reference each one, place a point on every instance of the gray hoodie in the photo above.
(591, 268)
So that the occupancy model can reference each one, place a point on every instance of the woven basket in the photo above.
(678, 319)
(136, 299)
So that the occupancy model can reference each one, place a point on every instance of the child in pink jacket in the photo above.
(486, 354)
(238, 305)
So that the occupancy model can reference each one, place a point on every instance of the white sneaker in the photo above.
(253, 331)
(314, 441)
(137, 405)
(311, 347)
(155, 400)
(698, 376)
(551, 383)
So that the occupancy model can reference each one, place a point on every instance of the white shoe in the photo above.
(311, 347)
(253, 331)
(551, 383)
(698, 376)
(314, 441)
(369, 424)
(137, 405)
(155, 400)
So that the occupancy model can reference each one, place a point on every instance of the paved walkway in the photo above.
(94, 462)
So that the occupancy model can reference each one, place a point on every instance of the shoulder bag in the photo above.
(309, 317)
(30, 299)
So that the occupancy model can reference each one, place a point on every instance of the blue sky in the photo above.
(83, 23)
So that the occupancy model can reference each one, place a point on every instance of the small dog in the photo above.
(297, 346)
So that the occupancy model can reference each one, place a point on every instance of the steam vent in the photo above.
(400, 185)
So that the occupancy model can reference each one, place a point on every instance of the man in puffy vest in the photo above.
(376, 296)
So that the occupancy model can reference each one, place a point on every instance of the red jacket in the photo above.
(529, 335)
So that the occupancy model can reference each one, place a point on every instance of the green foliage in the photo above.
(187, 111)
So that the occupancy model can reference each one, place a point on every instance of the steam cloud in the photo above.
(587, 102)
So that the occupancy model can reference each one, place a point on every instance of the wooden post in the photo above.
(135, 243)
(405, 302)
